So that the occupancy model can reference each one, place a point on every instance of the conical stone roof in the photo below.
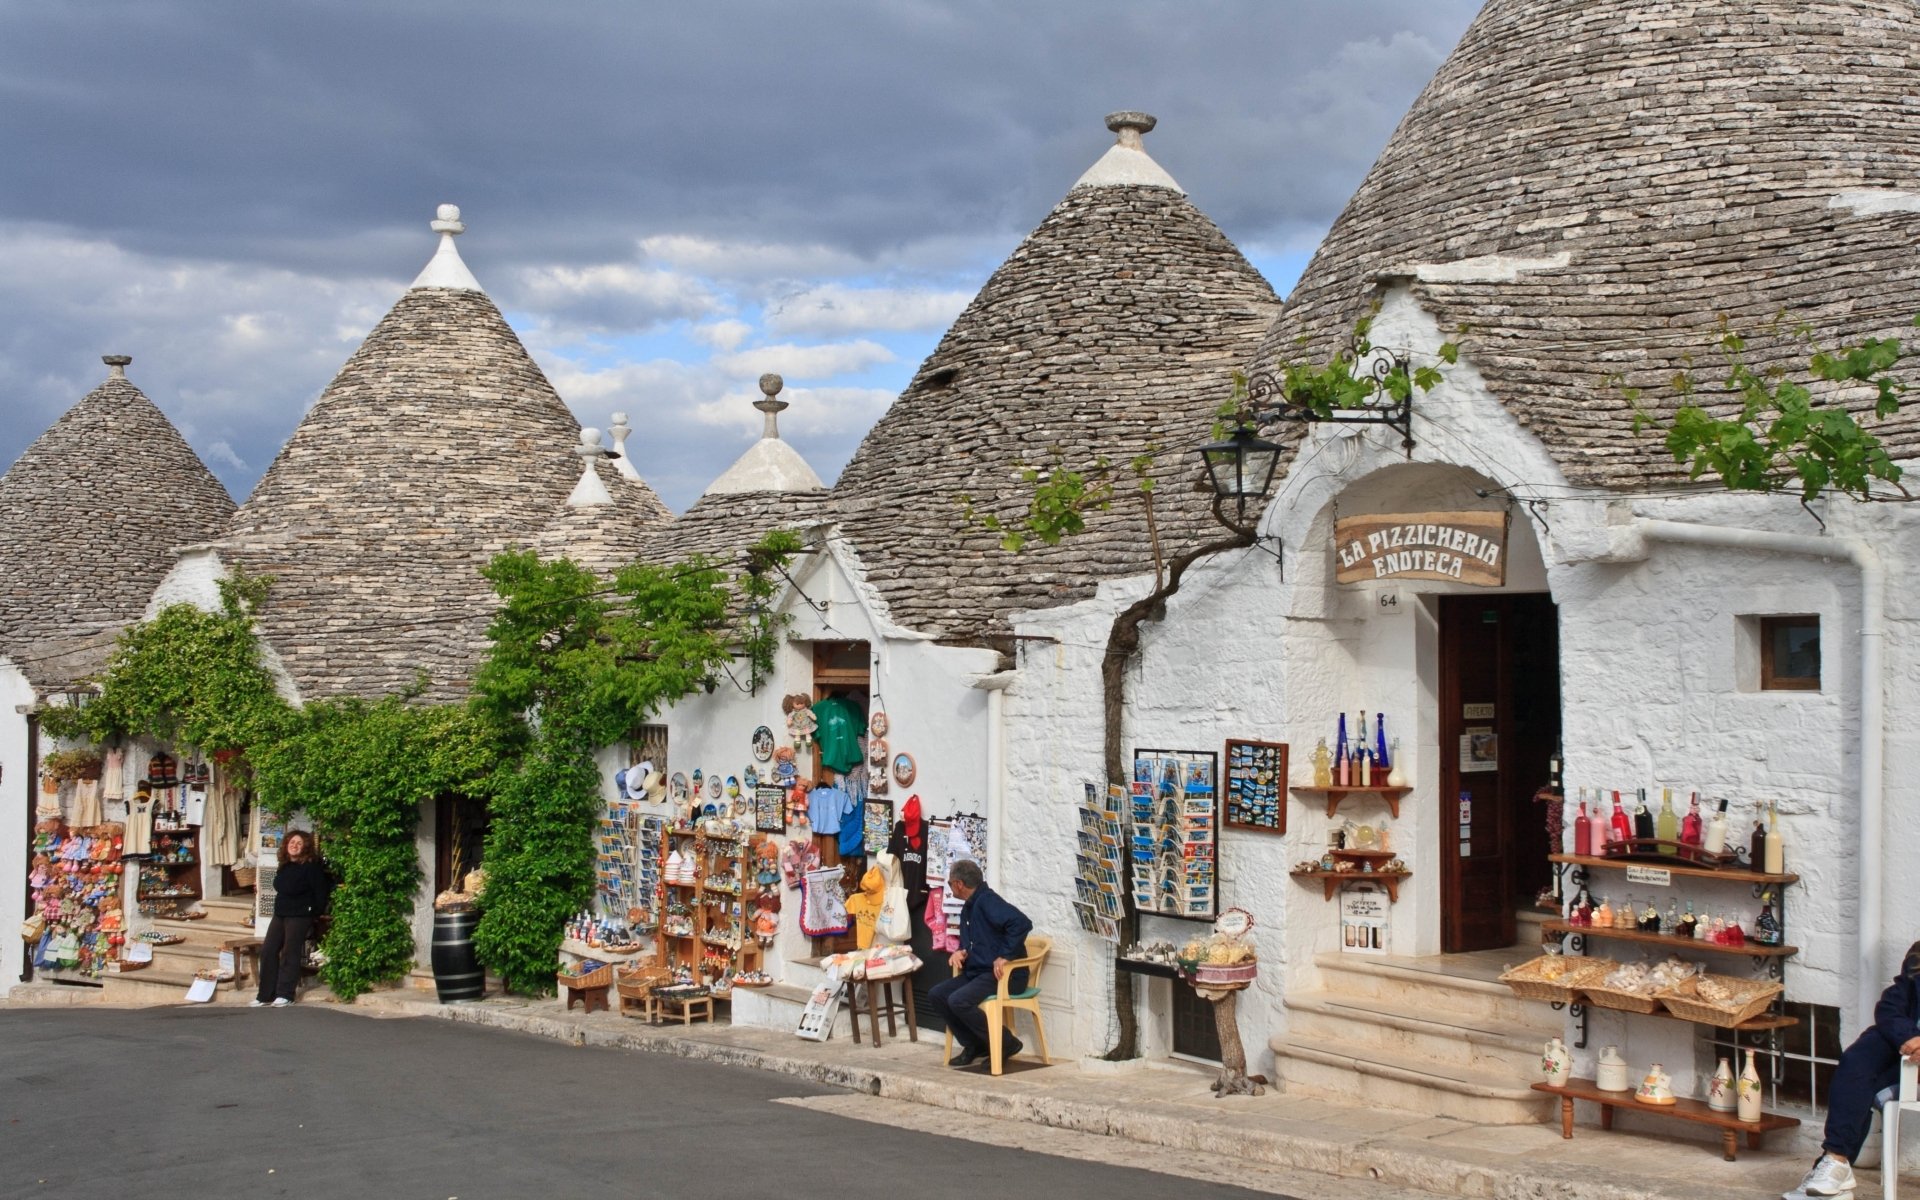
(438, 445)
(89, 517)
(1113, 330)
(1586, 186)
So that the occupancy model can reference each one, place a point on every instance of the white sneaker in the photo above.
(282, 1002)
(1829, 1177)
(256, 1004)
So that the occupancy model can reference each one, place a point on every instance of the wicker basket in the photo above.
(1229, 974)
(599, 977)
(1618, 999)
(1750, 998)
(245, 877)
(635, 984)
(1530, 982)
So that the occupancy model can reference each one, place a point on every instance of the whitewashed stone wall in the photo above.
(17, 788)
(1658, 690)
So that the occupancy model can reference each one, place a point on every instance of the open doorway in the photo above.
(1499, 729)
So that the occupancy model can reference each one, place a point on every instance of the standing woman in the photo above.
(300, 889)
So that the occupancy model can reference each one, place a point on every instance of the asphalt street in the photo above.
(308, 1102)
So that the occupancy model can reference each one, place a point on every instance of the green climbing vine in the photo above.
(1779, 432)
(574, 667)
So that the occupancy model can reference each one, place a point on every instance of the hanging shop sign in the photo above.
(1449, 547)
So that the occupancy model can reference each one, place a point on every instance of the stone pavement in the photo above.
(1169, 1105)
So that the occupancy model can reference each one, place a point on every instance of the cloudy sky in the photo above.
(664, 200)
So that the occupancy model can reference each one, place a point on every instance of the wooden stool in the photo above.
(594, 997)
(246, 958)
(638, 1002)
(686, 1007)
(883, 998)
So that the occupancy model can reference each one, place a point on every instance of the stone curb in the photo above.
(1482, 1175)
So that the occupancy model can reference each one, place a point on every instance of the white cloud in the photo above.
(222, 452)
(748, 260)
(722, 335)
(835, 308)
(615, 295)
(806, 362)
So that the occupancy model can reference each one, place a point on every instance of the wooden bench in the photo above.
(1696, 1111)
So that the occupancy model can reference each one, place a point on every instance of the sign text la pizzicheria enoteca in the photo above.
(1450, 547)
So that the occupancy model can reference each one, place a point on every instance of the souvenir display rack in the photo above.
(704, 935)
(1574, 871)
(1097, 901)
(1335, 880)
(75, 876)
(1175, 811)
(170, 875)
(1255, 774)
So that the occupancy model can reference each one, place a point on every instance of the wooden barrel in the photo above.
(456, 973)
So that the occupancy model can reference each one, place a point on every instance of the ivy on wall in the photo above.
(574, 667)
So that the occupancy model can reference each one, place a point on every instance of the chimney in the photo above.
(591, 490)
(619, 431)
(771, 404)
(1130, 125)
(117, 365)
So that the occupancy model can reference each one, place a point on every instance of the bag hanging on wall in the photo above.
(823, 909)
(894, 924)
(33, 927)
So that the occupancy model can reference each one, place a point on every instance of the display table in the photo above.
(246, 958)
(892, 996)
(1696, 1111)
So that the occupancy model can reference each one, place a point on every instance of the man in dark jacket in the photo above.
(1869, 1066)
(992, 934)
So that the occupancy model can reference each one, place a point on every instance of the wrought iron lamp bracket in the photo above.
(1269, 404)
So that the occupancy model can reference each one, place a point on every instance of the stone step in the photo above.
(1418, 1036)
(52, 995)
(779, 1007)
(1411, 985)
(1337, 1069)
(162, 984)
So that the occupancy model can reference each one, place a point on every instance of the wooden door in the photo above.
(1499, 723)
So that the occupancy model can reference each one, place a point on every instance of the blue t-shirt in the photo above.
(826, 808)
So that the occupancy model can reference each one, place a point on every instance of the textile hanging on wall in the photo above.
(823, 907)
(223, 839)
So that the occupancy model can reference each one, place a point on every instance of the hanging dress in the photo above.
(86, 804)
(139, 839)
(113, 775)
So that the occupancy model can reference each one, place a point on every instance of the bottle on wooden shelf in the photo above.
(1396, 774)
(1757, 844)
(1382, 761)
(1776, 844)
(1766, 926)
(1642, 817)
(1748, 1106)
(1583, 829)
(1621, 826)
(1342, 760)
(1322, 765)
(1691, 830)
(1666, 823)
(1716, 842)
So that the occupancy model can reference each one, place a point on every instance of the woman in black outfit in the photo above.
(300, 889)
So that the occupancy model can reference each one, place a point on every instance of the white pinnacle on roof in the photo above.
(591, 490)
(769, 465)
(445, 269)
(1127, 163)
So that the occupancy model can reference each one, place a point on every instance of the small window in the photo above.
(1796, 1064)
(1789, 654)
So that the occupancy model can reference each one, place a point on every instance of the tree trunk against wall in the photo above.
(1123, 642)
(1233, 1079)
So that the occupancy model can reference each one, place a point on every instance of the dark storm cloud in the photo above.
(244, 184)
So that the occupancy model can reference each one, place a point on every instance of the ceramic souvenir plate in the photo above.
(877, 724)
(903, 769)
(762, 743)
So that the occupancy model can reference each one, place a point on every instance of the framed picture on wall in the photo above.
(770, 808)
(1254, 786)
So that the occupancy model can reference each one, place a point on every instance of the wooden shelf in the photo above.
(1333, 879)
(1336, 794)
(1137, 966)
(1621, 864)
(1681, 1109)
(1664, 939)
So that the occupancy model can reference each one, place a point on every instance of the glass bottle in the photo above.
(1672, 924)
(1691, 827)
(1382, 761)
(1583, 829)
(1342, 764)
(1757, 844)
(1666, 825)
(1776, 844)
(1687, 924)
(1642, 817)
(1396, 774)
(1622, 827)
(1650, 918)
(1322, 765)
(1766, 926)
(1716, 842)
(1603, 915)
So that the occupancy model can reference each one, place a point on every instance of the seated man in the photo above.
(1870, 1065)
(992, 932)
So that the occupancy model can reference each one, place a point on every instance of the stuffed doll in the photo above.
(801, 722)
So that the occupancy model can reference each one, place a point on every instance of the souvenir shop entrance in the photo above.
(1499, 729)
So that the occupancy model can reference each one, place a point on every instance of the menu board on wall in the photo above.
(1256, 778)
(1175, 817)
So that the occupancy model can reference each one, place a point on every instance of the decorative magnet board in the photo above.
(1174, 844)
(1255, 785)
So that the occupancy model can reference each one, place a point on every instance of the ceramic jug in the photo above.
(1556, 1063)
(1748, 1105)
(1720, 1088)
(1610, 1073)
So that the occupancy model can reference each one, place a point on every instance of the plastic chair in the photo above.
(1000, 1007)
(1907, 1101)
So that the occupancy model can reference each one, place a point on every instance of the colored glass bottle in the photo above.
(1776, 844)
(1382, 761)
(1666, 824)
(1691, 827)
(1642, 817)
(1757, 844)
(1322, 765)
(1766, 926)
(1583, 829)
(1622, 827)
(1342, 765)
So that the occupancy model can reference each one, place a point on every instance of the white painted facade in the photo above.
(1659, 686)
(17, 788)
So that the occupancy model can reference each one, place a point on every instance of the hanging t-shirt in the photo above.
(853, 832)
(913, 862)
(827, 807)
(841, 724)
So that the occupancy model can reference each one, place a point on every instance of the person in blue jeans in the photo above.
(992, 934)
(1869, 1066)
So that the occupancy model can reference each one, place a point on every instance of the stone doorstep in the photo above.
(1170, 1109)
